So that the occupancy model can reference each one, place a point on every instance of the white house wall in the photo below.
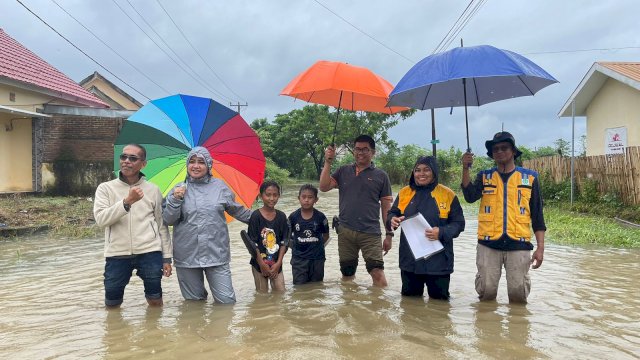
(615, 105)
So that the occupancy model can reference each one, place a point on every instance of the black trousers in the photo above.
(437, 285)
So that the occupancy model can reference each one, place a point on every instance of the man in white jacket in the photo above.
(130, 210)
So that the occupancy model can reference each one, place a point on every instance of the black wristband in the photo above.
(390, 233)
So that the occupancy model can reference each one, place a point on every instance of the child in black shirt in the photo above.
(269, 228)
(309, 235)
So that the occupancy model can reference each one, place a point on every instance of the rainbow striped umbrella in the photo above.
(169, 127)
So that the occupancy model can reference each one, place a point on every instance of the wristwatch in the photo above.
(390, 233)
(127, 207)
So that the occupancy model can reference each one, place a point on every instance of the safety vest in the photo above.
(504, 207)
(441, 194)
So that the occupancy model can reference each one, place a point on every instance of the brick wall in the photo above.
(77, 152)
(79, 138)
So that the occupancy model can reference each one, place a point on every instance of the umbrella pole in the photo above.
(335, 126)
(433, 133)
(466, 117)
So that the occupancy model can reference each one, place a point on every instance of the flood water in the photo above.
(584, 303)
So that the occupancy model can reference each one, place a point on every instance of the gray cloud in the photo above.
(257, 47)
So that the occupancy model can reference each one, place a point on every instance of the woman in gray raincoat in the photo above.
(200, 234)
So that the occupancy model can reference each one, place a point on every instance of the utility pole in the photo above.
(238, 105)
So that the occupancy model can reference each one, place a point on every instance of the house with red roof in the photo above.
(53, 132)
(609, 97)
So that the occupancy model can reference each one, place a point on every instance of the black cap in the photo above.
(502, 136)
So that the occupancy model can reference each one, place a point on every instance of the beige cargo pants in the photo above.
(490, 262)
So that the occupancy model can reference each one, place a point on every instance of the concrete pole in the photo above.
(573, 131)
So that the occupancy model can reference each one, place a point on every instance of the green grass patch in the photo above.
(577, 227)
(573, 228)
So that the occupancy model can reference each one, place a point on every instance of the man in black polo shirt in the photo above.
(364, 194)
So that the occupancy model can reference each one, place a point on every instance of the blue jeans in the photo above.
(118, 271)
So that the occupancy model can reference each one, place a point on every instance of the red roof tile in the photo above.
(20, 64)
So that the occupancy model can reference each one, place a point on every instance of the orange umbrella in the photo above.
(342, 86)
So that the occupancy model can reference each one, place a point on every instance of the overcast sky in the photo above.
(257, 47)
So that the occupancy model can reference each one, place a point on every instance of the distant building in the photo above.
(108, 92)
(609, 96)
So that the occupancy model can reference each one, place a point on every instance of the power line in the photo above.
(581, 50)
(170, 48)
(197, 52)
(364, 33)
(464, 22)
(84, 53)
(199, 81)
(469, 12)
(110, 48)
(441, 43)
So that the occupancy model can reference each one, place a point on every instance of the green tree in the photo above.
(301, 136)
(563, 147)
(297, 140)
(583, 145)
(265, 133)
(273, 172)
(398, 161)
(545, 151)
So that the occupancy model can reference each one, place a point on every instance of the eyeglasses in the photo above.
(501, 148)
(361, 150)
(131, 158)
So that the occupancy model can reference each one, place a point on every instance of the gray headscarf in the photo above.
(202, 153)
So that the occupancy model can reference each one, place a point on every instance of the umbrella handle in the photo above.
(335, 125)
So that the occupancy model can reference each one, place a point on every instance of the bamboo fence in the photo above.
(619, 174)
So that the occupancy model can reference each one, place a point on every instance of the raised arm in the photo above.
(467, 161)
(172, 205)
(105, 213)
(326, 181)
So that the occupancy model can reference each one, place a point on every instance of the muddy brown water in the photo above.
(585, 303)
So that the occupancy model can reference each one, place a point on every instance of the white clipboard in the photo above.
(421, 247)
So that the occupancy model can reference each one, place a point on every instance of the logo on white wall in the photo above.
(615, 141)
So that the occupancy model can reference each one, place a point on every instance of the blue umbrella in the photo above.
(475, 76)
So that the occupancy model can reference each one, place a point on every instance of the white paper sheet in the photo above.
(413, 228)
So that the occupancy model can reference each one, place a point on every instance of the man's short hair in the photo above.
(142, 149)
(367, 139)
